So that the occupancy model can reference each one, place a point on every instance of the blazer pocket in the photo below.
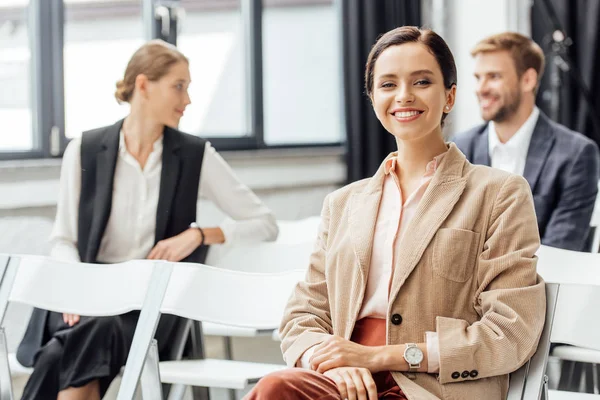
(455, 253)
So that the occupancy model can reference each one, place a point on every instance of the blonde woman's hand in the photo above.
(177, 247)
(353, 383)
(70, 319)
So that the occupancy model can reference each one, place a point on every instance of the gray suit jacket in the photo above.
(562, 168)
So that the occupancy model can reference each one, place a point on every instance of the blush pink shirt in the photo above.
(394, 215)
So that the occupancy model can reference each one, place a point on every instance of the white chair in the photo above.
(577, 268)
(84, 289)
(294, 231)
(530, 382)
(234, 298)
(260, 257)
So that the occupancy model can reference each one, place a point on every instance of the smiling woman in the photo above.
(402, 258)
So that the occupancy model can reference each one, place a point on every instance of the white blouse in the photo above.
(130, 230)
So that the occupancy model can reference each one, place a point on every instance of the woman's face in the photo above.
(408, 93)
(168, 97)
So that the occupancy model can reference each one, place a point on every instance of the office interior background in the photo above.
(276, 87)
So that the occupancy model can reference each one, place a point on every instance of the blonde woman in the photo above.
(129, 191)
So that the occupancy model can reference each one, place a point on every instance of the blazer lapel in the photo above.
(481, 151)
(106, 161)
(171, 163)
(364, 208)
(542, 141)
(439, 199)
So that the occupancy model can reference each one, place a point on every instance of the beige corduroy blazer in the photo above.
(465, 268)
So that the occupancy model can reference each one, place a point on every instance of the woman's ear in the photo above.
(141, 85)
(450, 99)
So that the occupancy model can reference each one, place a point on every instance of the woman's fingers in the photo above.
(369, 383)
(350, 385)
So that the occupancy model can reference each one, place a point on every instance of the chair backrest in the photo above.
(528, 381)
(78, 288)
(263, 257)
(570, 267)
(575, 321)
(91, 290)
(573, 295)
(236, 298)
(302, 230)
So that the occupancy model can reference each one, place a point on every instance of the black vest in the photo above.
(179, 184)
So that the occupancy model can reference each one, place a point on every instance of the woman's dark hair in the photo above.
(412, 34)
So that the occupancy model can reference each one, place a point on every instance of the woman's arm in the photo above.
(64, 233)
(249, 219)
(510, 297)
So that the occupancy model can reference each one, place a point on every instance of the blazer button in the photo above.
(396, 319)
(466, 374)
(455, 375)
(474, 373)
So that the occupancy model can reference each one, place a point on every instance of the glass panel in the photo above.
(100, 38)
(212, 37)
(15, 77)
(301, 72)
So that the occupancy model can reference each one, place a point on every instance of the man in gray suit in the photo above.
(561, 166)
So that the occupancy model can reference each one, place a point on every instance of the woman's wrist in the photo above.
(391, 358)
(213, 236)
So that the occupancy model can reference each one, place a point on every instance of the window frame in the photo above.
(46, 19)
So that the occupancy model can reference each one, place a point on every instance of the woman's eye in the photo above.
(423, 82)
(387, 85)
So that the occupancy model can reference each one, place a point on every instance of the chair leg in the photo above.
(177, 392)
(150, 380)
(595, 378)
(566, 376)
(589, 377)
(6, 392)
(228, 345)
(197, 338)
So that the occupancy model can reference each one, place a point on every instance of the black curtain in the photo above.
(368, 143)
(580, 20)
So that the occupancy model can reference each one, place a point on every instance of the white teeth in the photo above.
(406, 114)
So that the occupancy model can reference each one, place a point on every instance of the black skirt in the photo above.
(95, 348)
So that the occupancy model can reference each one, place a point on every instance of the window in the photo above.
(265, 73)
(302, 73)
(99, 39)
(214, 42)
(15, 78)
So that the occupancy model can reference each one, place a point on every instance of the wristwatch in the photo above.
(413, 356)
(194, 225)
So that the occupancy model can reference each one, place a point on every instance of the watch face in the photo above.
(413, 355)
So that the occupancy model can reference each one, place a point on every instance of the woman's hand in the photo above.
(71, 319)
(337, 352)
(178, 247)
(353, 383)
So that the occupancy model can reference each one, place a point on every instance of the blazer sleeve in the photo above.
(510, 296)
(307, 317)
(569, 224)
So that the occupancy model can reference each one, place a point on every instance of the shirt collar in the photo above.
(157, 146)
(392, 163)
(520, 140)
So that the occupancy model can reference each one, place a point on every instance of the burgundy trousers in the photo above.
(303, 384)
